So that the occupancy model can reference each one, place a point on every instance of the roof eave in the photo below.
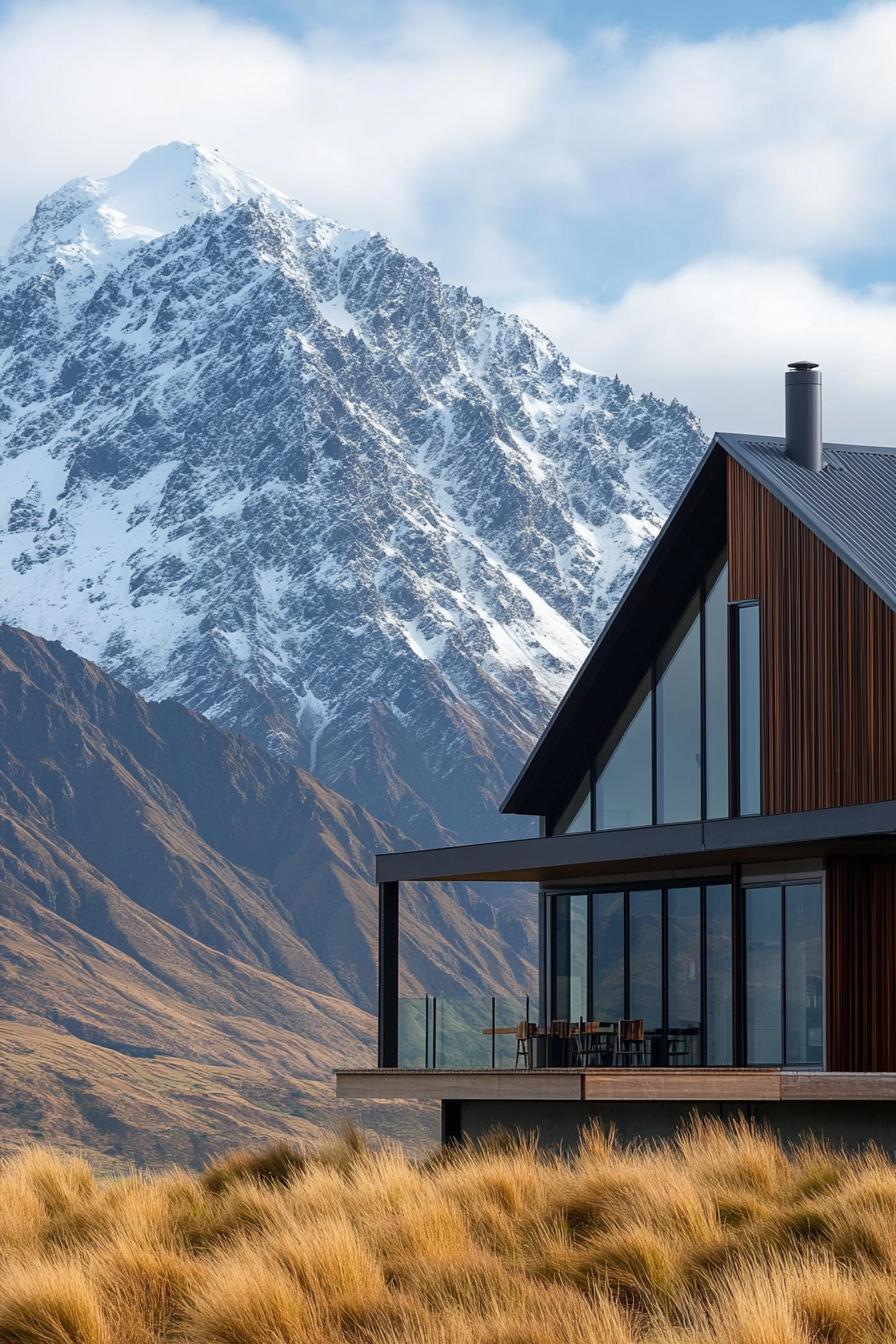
(516, 799)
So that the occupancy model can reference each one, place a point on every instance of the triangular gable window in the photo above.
(666, 759)
(577, 816)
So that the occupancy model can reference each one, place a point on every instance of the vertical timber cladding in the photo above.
(828, 659)
(860, 938)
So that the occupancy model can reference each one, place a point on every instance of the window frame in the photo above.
(625, 889)
(702, 590)
(734, 690)
(782, 882)
(738, 887)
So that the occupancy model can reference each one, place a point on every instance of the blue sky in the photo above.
(686, 194)
(568, 20)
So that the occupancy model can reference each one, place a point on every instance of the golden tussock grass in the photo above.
(720, 1237)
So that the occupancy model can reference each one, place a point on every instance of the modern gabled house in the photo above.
(716, 862)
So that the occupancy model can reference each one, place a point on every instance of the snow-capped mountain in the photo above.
(276, 469)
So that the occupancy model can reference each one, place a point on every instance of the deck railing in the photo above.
(439, 1032)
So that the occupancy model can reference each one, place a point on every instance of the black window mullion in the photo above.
(626, 977)
(703, 697)
(664, 972)
(653, 781)
(783, 973)
(703, 996)
(589, 991)
(552, 979)
(738, 970)
(733, 712)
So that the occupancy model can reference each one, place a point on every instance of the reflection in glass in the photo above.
(715, 621)
(683, 974)
(624, 767)
(803, 1007)
(762, 929)
(748, 709)
(576, 816)
(719, 968)
(608, 965)
(570, 956)
(645, 962)
(678, 721)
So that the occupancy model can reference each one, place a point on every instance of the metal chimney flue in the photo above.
(802, 414)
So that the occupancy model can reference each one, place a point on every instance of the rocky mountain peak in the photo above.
(283, 472)
(93, 224)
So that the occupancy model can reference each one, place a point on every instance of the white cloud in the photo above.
(486, 145)
(719, 333)
(352, 126)
(788, 134)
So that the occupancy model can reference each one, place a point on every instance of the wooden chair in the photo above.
(525, 1031)
(594, 1043)
(631, 1045)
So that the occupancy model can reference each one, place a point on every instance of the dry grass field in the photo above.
(720, 1238)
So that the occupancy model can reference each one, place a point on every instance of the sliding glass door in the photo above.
(663, 955)
(684, 976)
(783, 978)
(715, 979)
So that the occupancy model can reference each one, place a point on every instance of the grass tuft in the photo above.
(717, 1237)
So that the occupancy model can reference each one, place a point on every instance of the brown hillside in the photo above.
(187, 926)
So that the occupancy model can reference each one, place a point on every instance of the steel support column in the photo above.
(387, 1054)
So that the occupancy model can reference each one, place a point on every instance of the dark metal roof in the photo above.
(850, 505)
(597, 854)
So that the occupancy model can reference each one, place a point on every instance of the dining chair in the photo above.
(631, 1045)
(594, 1043)
(525, 1031)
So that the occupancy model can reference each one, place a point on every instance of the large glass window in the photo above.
(678, 721)
(666, 955)
(719, 984)
(577, 815)
(571, 956)
(803, 1004)
(608, 956)
(763, 957)
(661, 954)
(748, 710)
(645, 965)
(624, 768)
(667, 757)
(715, 639)
(683, 975)
(784, 978)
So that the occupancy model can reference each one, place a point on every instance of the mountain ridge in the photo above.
(170, 894)
(278, 470)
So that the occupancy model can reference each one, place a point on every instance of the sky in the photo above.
(687, 194)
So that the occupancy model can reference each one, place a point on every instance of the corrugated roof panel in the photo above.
(850, 505)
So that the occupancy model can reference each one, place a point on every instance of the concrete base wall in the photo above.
(557, 1124)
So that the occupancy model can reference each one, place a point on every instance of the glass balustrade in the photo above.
(442, 1032)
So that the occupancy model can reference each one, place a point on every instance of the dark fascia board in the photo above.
(800, 508)
(522, 796)
(553, 858)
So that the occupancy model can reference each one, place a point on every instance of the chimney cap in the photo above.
(802, 365)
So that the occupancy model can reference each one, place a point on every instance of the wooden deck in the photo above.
(636, 1084)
